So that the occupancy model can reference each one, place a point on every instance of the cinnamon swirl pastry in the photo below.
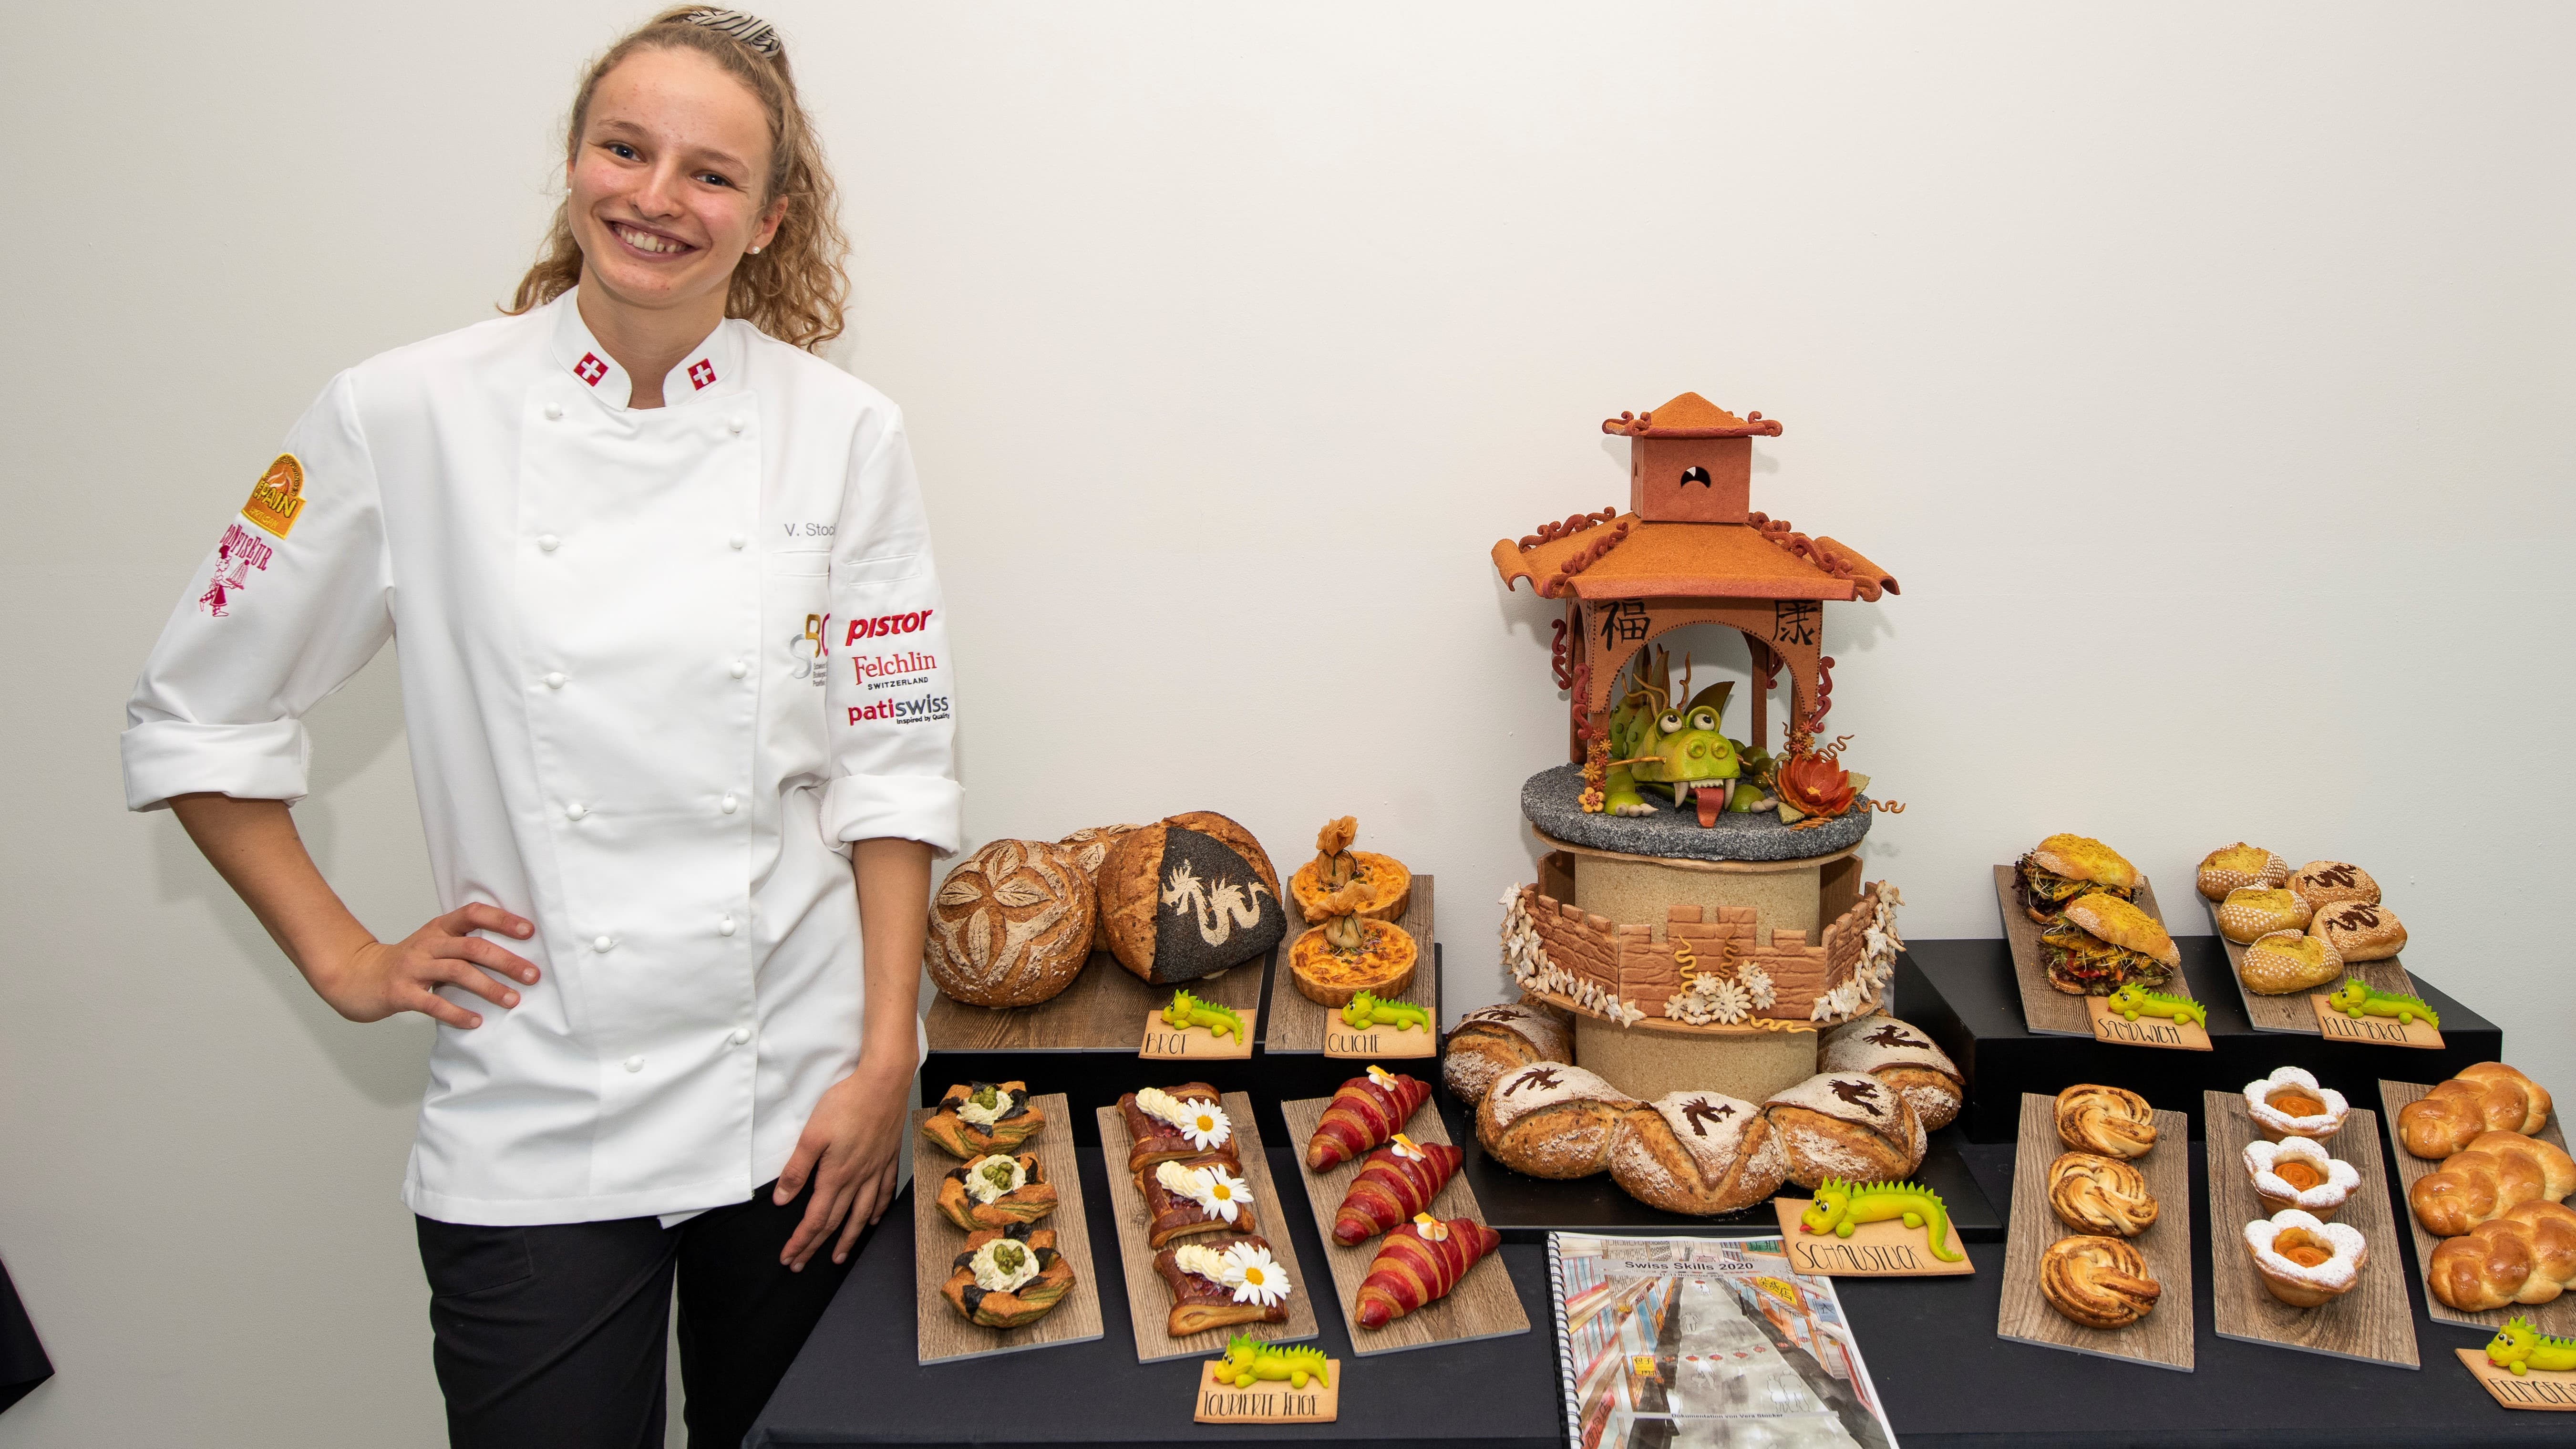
(2112, 1121)
(2095, 1194)
(2097, 1282)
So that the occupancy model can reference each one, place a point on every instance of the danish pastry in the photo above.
(1901, 1056)
(2095, 1194)
(2097, 1282)
(1195, 1195)
(1846, 1124)
(2282, 962)
(2360, 932)
(2250, 912)
(2526, 1256)
(2305, 1262)
(1165, 1124)
(996, 1191)
(2296, 1173)
(2112, 1121)
(1008, 1277)
(1497, 1039)
(2484, 1097)
(2289, 1103)
(1551, 1120)
(980, 1117)
(1206, 1276)
(1698, 1153)
(2495, 1173)
(2321, 883)
(2230, 867)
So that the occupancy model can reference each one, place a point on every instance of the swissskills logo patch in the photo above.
(590, 369)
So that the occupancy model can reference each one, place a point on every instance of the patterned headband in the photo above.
(751, 30)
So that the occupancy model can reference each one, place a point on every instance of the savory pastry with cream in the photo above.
(2062, 867)
(2360, 932)
(979, 1117)
(1165, 1124)
(2231, 867)
(996, 1191)
(2101, 943)
(2287, 961)
(2251, 911)
(1008, 1277)
(1194, 1196)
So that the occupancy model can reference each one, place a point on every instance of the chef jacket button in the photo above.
(738, 541)
(553, 411)
(575, 810)
(733, 425)
(555, 680)
(634, 1064)
(729, 803)
(725, 926)
(739, 669)
(549, 542)
(740, 1035)
(601, 943)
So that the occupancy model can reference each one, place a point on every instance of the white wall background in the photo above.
(2204, 375)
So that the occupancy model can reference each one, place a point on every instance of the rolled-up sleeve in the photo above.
(892, 722)
(294, 598)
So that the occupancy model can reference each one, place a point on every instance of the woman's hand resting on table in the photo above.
(848, 1150)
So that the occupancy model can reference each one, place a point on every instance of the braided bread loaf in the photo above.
(2497, 1171)
(2486, 1097)
(2526, 1256)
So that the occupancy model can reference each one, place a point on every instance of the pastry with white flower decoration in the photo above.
(2303, 1261)
(2296, 1173)
(996, 1191)
(1168, 1123)
(1196, 1195)
(1222, 1279)
(1900, 1055)
(2289, 1103)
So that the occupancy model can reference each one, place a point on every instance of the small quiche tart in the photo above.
(1390, 886)
(1328, 977)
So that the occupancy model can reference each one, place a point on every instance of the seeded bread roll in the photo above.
(2253, 911)
(1498, 1039)
(2287, 961)
(1901, 1056)
(2359, 932)
(2323, 882)
(2233, 867)
(1010, 926)
(1551, 1120)
(1846, 1124)
(1698, 1153)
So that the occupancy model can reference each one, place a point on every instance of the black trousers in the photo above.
(555, 1337)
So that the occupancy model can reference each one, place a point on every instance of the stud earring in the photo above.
(755, 251)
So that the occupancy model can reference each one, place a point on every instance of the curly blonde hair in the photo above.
(794, 290)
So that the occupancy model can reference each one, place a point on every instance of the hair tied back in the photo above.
(751, 30)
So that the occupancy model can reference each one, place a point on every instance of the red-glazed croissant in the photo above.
(1412, 1270)
(1391, 1188)
(1367, 1111)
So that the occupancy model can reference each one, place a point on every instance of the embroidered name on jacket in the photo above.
(236, 556)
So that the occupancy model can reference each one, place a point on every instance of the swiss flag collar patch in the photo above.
(590, 369)
(702, 372)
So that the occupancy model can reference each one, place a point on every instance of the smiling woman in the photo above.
(682, 851)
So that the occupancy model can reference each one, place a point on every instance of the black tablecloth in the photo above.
(23, 1364)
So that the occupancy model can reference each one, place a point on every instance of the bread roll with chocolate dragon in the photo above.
(1499, 1039)
(1848, 1125)
(1551, 1120)
(1698, 1153)
(1900, 1055)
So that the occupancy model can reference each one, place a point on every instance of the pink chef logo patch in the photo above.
(239, 552)
(702, 372)
(590, 369)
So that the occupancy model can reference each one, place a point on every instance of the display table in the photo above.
(1930, 1343)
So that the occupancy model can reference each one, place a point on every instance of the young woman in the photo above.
(675, 676)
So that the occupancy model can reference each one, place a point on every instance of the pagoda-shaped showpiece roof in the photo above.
(1692, 416)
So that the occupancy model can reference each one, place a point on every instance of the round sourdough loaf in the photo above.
(1010, 926)
(1090, 846)
(1898, 1054)
(1189, 896)
(1497, 1039)
(1551, 1120)
(1849, 1125)
(1699, 1153)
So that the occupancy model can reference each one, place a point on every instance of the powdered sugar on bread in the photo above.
(1881, 1041)
(1541, 1085)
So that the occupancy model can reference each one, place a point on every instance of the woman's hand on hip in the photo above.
(381, 978)
(848, 1152)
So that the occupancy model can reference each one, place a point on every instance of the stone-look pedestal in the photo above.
(1646, 1063)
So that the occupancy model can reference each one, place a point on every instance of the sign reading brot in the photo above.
(1189, 897)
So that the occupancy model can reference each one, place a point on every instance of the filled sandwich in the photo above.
(2063, 867)
(2101, 943)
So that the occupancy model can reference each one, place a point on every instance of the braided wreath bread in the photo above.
(1499, 1039)
(2526, 1256)
(1698, 1153)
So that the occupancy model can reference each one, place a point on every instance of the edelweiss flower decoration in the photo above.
(1255, 1275)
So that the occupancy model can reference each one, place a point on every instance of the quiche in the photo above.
(1329, 977)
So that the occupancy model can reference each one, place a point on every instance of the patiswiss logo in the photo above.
(886, 624)
(920, 709)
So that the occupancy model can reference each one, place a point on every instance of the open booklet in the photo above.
(1705, 1343)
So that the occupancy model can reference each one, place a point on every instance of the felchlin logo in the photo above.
(891, 666)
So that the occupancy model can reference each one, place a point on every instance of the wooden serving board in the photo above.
(2163, 1338)
(940, 1334)
(1299, 1025)
(1483, 1305)
(2292, 1013)
(1149, 1302)
(2556, 1317)
(2045, 1009)
(1100, 1011)
(2372, 1322)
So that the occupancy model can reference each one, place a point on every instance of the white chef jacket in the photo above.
(659, 667)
